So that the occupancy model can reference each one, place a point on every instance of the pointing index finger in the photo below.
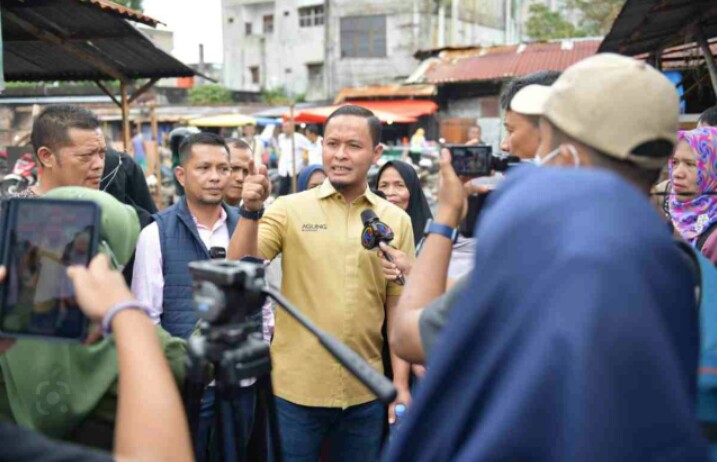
(252, 167)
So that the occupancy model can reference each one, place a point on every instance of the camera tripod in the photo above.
(231, 342)
(237, 353)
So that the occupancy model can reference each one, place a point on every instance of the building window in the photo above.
(363, 36)
(269, 24)
(247, 28)
(255, 77)
(316, 77)
(311, 16)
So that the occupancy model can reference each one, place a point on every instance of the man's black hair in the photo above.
(203, 138)
(374, 125)
(52, 126)
(312, 128)
(545, 78)
(238, 143)
(709, 117)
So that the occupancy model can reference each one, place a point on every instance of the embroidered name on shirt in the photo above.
(310, 228)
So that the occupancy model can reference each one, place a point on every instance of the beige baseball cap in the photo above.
(612, 103)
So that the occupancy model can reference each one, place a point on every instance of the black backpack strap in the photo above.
(705, 235)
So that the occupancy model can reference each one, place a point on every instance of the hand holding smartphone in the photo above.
(41, 239)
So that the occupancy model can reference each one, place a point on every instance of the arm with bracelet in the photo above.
(429, 273)
(151, 424)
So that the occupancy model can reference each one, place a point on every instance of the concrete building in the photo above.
(317, 47)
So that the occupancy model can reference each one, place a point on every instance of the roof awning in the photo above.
(386, 91)
(649, 26)
(413, 108)
(318, 115)
(223, 120)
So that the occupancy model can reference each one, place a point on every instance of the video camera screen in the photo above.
(43, 238)
(471, 160)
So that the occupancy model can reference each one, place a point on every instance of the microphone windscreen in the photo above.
(367, 216)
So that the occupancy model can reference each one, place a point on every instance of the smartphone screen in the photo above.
(44, 237)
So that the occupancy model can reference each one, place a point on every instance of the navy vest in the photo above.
(181, 244)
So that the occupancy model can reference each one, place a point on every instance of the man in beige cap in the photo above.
(597, 114)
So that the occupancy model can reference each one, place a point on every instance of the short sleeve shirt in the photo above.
(301, 145)
(334, 281)
(434, 316)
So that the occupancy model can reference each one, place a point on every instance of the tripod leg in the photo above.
(237, 416)
(227, 443)
(192, 393)
(265, 393)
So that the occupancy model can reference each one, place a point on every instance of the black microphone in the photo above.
(374, 232)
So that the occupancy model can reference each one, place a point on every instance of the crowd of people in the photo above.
(556, 318)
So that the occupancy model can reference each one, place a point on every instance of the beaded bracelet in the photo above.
(118, 308)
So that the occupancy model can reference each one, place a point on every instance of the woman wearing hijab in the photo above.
(310, 177)
(693, 174)
(399, 182)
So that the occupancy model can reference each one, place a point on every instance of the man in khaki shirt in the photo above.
(339, 285)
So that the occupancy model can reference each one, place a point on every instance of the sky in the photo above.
(193, 22)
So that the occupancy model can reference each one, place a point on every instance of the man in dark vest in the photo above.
(185, 232)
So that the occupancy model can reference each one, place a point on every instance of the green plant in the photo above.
(210, 94)
(597, 15)
(131, 4)
(276, 96)
(544, 24)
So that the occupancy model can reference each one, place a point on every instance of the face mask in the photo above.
(541, 161)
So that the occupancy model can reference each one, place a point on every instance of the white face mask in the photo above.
(541, 161)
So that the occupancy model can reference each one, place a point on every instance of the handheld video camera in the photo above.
(475, 160)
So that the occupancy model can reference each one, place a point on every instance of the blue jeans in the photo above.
(207, 438)
(354, 434)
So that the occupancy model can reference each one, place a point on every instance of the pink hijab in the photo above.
(694, 216)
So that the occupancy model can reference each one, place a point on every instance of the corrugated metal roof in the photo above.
(505, 62)
(385, 91)
(644, 26)
(84, 25)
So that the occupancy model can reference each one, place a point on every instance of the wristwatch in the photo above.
(244, 213)
(438, 228)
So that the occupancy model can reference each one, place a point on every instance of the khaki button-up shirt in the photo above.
(333, 280)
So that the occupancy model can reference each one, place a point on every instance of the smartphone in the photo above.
(41, 239)
(472, 160)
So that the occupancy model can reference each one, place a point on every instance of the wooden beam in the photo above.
(682, 33)
(125, 116)
(143, 89)
(707, 53)
(694, 85)
(293, 147)
(64, 42)
(107, 92)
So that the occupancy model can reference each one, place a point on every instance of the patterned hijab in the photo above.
(694, 216)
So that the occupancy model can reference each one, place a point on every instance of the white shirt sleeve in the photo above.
(147, 279)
